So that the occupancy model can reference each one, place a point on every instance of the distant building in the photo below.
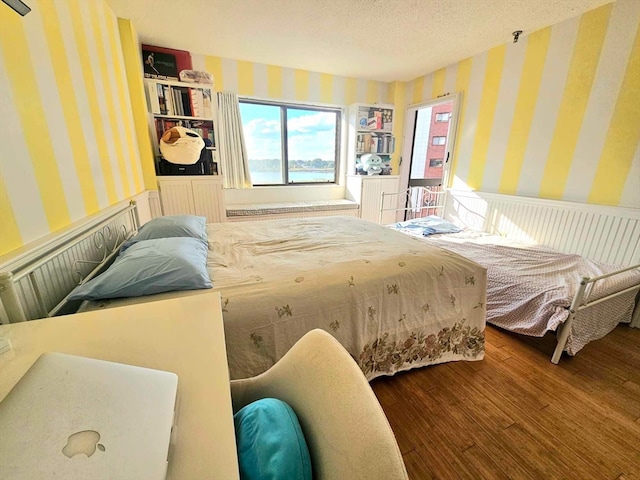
(437, 144)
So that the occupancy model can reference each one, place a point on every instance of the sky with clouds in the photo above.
(311, 133)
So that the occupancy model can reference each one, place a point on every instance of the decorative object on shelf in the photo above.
(371, 164)
(164, 63)
(185, 153)
(181, 146)
(159, 65)
(195, 76)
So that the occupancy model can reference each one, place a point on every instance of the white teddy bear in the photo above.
(371, 164)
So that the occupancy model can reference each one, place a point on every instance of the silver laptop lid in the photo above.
(79, 418)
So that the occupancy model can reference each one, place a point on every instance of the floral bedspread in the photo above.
(392, 300)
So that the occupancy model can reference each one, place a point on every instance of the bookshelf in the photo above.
(190, 105)
(193, 106)
(370, 131)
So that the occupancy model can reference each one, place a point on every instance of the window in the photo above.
(435, 162)
(439, 140)
(290, 144)
(442, 117)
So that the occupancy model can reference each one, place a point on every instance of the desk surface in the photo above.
(182, 335)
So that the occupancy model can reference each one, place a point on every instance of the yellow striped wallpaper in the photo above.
(68, 147)
(555, 115)
(271, 82)
(280, 83)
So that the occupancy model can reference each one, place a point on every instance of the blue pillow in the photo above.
(428, 226)
(148, 267)
(270, 442)
(173, 226)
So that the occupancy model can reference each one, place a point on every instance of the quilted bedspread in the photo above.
(393, 301)
(530, 287)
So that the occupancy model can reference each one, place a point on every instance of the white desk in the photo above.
(182, 335)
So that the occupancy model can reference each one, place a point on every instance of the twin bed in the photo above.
(533, 289)
(395, 301)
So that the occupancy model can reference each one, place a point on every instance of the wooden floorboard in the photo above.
(515, 415)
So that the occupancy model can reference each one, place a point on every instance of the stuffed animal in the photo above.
(371, 164)
(181, 146)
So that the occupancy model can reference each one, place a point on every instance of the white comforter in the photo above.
(392, 300)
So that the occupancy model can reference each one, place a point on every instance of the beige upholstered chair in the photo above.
(346, 430)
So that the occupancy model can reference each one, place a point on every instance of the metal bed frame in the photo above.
(37, 283)
(416, 202)
(413, 206)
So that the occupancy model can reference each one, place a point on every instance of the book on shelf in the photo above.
(185, 98)
(207, 104)
(161, 100)
(154, 99)
(204, 128)
(363, 118)
(375, 143)
(387, 120)
(168, 97)
(179, 101)
(196, 96)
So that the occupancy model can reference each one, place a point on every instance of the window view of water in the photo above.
(300, 176)
(307, 137)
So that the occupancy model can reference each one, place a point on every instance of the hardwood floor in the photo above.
(516, 415)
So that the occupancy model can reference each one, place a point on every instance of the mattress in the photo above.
(393, 301)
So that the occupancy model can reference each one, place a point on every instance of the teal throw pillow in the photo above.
(270, 442)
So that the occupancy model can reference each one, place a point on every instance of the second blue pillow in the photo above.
(173, 226)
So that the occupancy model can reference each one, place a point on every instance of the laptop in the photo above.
(79, 418)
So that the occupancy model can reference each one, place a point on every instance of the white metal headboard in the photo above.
(37, 283)
(602, 233)
(413, 202)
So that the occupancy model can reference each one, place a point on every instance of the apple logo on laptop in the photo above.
(85, 442)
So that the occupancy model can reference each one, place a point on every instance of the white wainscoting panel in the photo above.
(154, 204)
(607, 234)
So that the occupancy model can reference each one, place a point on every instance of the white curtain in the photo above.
(233, 153)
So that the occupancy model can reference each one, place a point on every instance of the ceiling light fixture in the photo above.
(18, 6)
(516, 35)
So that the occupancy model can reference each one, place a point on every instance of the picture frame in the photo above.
(159, 65)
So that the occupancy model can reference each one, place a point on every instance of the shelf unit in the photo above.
(370, 131)
(190, 105)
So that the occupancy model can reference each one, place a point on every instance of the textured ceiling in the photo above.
(374, 39)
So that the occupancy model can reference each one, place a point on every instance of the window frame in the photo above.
(433, 140)
(448, 116)
(339, 112)
(431, 160)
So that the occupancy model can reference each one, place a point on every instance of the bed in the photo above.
(393, 301)
(534, 289)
